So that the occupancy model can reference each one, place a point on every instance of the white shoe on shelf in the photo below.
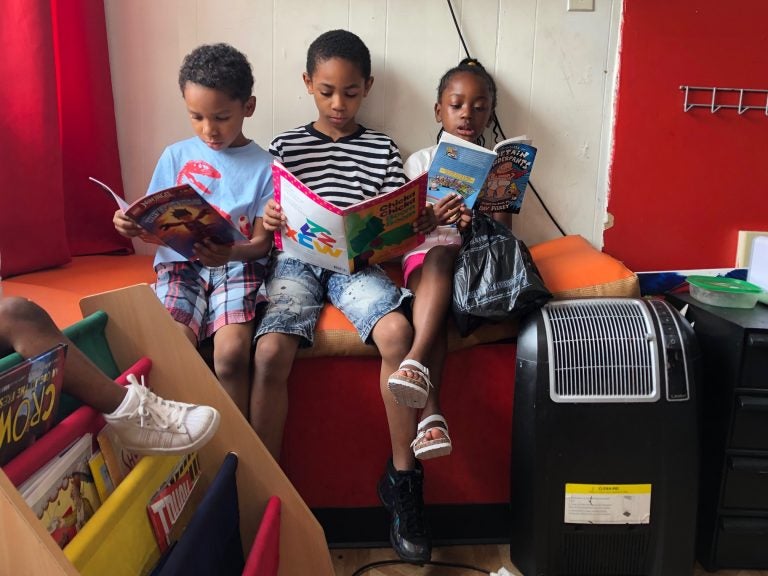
(148, 424)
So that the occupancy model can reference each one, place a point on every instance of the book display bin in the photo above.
(138, 326)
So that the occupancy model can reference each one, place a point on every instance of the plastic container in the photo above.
(726, 292)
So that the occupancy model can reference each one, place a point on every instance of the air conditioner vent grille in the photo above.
(601, 350)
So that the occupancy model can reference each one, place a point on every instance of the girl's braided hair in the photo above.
(473, 66)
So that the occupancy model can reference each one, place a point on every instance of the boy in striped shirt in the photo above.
(345, 163)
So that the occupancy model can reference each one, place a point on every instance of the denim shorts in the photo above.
(205, 299)
(297, 291)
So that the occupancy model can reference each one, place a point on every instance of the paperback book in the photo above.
(62, 494)
(180, 218)
(167, 504)
(117, 459)
(495, 179)
(347, 239)
(29, 400)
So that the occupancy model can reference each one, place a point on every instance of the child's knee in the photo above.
(15, 311)
(441, 259)
(274, 355)
(393, 336)
(231, 357)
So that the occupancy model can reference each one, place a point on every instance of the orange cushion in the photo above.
(572, 268)
(336, 336)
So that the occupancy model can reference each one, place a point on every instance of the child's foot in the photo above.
(148, 424)
(401, 492)
(410, 384)
(432, 439)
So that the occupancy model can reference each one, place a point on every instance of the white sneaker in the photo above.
(148, 424)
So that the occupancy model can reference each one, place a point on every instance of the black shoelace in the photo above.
(411, 505)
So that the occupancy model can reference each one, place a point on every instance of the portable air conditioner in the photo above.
(605, 443)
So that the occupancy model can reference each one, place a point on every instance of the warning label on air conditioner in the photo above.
(607, 503)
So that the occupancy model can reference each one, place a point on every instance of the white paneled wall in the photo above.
(554, 69)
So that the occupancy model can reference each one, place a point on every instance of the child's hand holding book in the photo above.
(273, 218)
(128, 228)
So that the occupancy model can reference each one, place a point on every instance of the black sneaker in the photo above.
(402, 495)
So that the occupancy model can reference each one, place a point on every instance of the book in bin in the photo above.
(169, 502)
(117, 459)
(180, 218)
(346, 240)
(29, 400)
(62, 494)
(489, 180)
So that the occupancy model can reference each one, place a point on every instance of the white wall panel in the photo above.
(554, 71)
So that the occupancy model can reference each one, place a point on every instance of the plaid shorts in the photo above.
(205, 299)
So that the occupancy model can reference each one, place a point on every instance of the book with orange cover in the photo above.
(180, 218)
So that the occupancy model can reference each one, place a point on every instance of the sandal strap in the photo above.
(422, 433)
(424, 424)
(416, 366)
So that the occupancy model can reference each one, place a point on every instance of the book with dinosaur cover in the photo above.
(180, 218)
(347, 239)
(29, 400)
(489, 180)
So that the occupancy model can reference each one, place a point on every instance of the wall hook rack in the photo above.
(717, 98)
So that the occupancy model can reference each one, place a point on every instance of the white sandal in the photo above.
(425, 449)
(407, 390)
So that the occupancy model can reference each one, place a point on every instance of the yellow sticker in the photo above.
(607, 504)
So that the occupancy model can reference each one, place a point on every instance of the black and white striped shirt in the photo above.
(345, 172)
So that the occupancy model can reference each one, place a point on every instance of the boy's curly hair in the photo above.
(218, 66)
(339, 44)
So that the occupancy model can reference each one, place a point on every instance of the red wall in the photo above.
(684, 183)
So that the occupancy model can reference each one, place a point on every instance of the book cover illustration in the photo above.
(117, 459)
(29, 399)
(459, 167)
(347, 239)
(508, 178)
(101, 478)
(63, 495)
(180, 218)
(167, 504)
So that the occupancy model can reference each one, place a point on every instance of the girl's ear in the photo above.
(307, 81)
(438, 113)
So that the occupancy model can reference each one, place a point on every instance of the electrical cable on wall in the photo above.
(497, 129)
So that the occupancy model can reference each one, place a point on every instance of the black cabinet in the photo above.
(733, 506)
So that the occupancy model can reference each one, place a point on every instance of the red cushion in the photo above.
(337, 462)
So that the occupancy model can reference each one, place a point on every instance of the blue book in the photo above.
(494, 179)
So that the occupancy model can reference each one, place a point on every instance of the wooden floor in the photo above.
(488, 558)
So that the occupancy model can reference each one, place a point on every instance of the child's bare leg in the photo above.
(188, 333)
(232, 361)
(273, 361)
(392, 336)
(432, 285)
(29, 330)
